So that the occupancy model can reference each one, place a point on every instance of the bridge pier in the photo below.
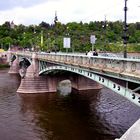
(14, 68)
(48, 84)
(81, 83)
(33, 85)
(32, 82)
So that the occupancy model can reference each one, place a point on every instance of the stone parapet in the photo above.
(133, 133)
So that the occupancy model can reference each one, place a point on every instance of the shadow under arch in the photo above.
(114, 86)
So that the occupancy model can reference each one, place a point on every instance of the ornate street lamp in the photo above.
(125, 36)
(42, 40)
(55, 26)
(104, 29)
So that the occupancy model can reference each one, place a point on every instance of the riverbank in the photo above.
(3, 60)
(4, 66)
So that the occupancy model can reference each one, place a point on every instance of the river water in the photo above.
(87, 116)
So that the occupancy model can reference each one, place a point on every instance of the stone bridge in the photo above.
(119, 74)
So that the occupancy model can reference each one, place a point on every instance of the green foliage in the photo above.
(4, 66)
(108, 39)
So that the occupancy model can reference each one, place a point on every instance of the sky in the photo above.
(33, 12)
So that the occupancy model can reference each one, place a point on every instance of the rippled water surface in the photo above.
(87, 116)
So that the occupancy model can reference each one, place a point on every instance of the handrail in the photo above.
(116, 66)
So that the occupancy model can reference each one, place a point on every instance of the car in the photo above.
(108, 55)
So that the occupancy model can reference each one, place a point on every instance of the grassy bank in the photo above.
(4, 66)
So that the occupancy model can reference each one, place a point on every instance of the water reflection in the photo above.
(114, 112)
(59, 117)
(101, 115)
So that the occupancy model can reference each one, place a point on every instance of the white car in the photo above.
(108, 55)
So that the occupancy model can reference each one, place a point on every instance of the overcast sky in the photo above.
(29, 12)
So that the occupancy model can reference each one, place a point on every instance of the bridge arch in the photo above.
(24, 62)
(21, 59)
(125, 92)
(13, 57)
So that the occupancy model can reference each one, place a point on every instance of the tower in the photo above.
(12, 25)
(55, 18)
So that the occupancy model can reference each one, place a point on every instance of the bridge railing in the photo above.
(22, 53)
(118, 65)
(113, 65)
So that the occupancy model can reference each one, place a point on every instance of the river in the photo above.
(87, 116)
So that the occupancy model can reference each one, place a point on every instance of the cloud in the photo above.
(10, 4)
(36, 11)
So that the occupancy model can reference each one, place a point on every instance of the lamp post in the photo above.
(42, 41)
(24, 40)
(55, 30)
(125, 36)
(48, 42)
(105, 27)
(33, 39)
(92, 41)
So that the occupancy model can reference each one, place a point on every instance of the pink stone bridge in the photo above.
(41, 73)
(35, 82)
(119, 74)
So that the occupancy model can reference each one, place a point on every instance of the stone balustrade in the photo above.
(107, 65)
